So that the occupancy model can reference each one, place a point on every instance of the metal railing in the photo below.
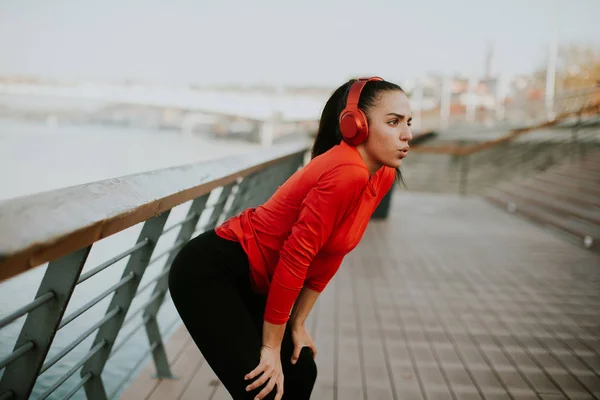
(513, 113)
(61, 228)
(471, 166)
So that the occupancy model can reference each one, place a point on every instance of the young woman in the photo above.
(245, 289)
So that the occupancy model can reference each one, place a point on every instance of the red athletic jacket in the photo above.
(299, 237)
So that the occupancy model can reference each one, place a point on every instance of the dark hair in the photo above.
(328, 134)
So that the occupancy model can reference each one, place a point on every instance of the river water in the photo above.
(36, 157)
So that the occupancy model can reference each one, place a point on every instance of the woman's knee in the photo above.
(306, 367)
(300, 378)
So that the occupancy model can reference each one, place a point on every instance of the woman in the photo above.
(244, 289)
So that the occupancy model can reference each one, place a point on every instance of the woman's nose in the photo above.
(406, 135)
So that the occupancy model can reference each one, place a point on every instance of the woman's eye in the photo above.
(393, 122)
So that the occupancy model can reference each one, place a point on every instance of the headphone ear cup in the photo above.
(363, 128)
(352, 121)
(354, 127)
(348, 125)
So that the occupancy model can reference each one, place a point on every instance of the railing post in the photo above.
(152, 230)
(159, 355)
(258, 187)
(41, 324)
(574, 138)
(217, 212)
(241, 196)
(464, 173)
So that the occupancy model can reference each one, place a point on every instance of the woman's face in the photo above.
(389, 130)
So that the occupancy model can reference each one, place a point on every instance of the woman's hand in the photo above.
(301, 338)
(270, 366)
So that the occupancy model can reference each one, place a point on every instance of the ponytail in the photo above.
(328, 134)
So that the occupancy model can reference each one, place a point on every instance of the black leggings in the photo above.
(210, 287)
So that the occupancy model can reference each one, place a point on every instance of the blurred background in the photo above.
(104, 89)
(117, 87)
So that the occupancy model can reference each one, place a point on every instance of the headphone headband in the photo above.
(356, 89)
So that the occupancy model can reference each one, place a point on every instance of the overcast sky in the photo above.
(281, 41)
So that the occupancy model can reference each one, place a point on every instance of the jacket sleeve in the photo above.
(327, 266)
(335, 193)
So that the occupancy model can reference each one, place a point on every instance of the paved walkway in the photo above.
(449, 299)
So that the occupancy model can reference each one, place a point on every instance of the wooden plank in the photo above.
(545, 218)
(573, 178)
(396, 312)
(530, 196)
(184, 370)
(573, 171)
(203, 384)
(324, 337)
(221, 394)
(566, 184)
(365, 278)
(350, 373)
(551, 190)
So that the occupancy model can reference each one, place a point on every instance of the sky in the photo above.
(283, 42)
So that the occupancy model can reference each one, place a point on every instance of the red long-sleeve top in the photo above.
(299, 237)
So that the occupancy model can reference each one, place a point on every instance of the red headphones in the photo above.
(353, 122)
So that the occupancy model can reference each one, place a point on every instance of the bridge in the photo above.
(480, 281)
(265, 117)
(262, 116)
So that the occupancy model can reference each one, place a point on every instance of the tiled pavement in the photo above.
(448, 299)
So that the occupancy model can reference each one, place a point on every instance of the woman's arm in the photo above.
(321, 210)
(305, 302)
(273, 334)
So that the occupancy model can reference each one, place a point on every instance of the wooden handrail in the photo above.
(39, 228)
(456, 150)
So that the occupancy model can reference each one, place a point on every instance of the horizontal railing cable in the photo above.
(80, 339)
(43, 299)
(66, 376)
(16, 354)
(121, 343)
(142, 307)
(82, 382)
(176, 246)
(96, 300)
(112, 261)
(7, 395)
(163, 333)
(170, 228)
(133, 369)
(153, 280)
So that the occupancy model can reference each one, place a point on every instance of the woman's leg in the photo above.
(299, 379)
(210, 288)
